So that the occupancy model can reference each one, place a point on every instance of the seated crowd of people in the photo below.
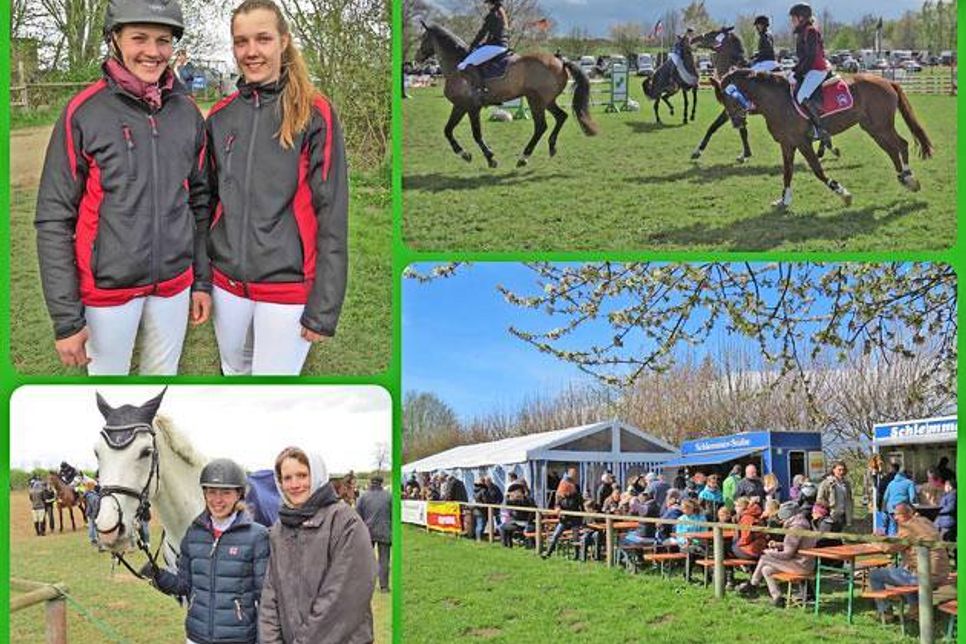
(745, 501)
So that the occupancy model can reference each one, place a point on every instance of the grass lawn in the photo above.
(127, 606)
(360, 347)
(459, 590)
(633, 187)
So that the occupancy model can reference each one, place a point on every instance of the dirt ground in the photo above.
(27, 149)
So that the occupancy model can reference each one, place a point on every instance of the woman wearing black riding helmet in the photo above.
(812, 68)
(764, 59)
(222, 564)
(122, 208)
(491, 40)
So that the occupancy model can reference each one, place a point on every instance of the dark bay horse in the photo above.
(666, 82)
(876, 101)
(727, 53)
(539, 77)
(67, 497)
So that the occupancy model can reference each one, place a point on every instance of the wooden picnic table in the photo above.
(618, 526)
(846, 554)
(709, 535)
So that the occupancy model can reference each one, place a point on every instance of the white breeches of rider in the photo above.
(766, 66)
(480, 55)
(683, 72)
(157, 323)
(260, 338)
(810, 83)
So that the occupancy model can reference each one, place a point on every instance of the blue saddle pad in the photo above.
(262, 497)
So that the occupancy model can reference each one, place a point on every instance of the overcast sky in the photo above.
(250, 424)
(598, 15)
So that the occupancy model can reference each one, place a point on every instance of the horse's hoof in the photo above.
(491, 162)
(466, 156)
(912, 184)
(837, 153)
(521, 162)
(846, 198)
(695, 155)
(779, 204)
(553, 152)
(741, 159)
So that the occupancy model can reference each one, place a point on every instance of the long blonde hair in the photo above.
(299, 93)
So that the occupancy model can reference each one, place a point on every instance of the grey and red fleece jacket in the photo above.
(280, 217)
(122, 209)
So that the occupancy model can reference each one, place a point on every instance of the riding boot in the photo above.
(475, 77)
(37, 528)
(819, 133)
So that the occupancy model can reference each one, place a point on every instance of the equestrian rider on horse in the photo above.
(812, 68)
(677, 55)
(491, 41)
(764, 59)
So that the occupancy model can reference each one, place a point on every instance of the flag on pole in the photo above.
(658, 29)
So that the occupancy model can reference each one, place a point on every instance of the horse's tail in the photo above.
(918, 132)
(647, 87)
(581, 102)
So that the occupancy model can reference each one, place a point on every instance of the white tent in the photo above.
(592, 449)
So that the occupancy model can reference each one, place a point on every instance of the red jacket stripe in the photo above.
(72, 107)
(305, 218)
(322, 104)
(222, 103)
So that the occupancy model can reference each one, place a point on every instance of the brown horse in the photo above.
(67, 497)
(539, 77)
(876, 101)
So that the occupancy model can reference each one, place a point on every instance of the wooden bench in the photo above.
(863, 566)
(662, 558)
(950, 609)
(633, 554)
(896, 595)
(792, 578)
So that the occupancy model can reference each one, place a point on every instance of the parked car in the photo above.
(788, 64)
(912, 66)
(645, 64)
(849, 65)
(587, 64)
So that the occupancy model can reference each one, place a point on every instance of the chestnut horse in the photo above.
(67, 497)
(539, 77)
(876, 102)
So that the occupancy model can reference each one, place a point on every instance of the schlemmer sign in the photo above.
(918, 431)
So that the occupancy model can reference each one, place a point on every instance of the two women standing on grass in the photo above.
(147, 216)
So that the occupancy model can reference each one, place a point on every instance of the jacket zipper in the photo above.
(211, 575)
(129, 144)
(229, 143)
(238, 610)
(156, 243)
(248, 194)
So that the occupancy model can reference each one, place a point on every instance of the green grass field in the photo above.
(634, 187)
(459, 590)
(360, 347)
(127, 606)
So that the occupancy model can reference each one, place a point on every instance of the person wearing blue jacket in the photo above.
(900, 490)
(224, 555)
(946, 520)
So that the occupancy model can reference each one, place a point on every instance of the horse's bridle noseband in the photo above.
(119, 437)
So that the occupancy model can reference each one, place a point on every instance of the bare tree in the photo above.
(381, 457)
(627, 37)
(77, 28)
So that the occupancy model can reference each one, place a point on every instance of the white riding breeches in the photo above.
(113, 330)
(686, 76)
(259, 338)
(812, 81)
(766, 66)
(480, 55)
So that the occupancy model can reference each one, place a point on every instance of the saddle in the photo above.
(835, 97)
(496, 67)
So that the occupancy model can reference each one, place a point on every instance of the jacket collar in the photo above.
(242, 519)
(152, 97)
(265, 92)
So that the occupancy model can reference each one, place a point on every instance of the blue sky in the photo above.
(456, 344)
(598, 15)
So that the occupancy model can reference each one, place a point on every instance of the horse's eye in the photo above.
(146, 452)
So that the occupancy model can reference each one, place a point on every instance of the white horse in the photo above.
(143, 459)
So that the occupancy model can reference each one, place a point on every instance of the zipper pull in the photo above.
(258, 102)
(128, 137)
(238, 610)
(228, 142)
(214, 546)
(154, 125)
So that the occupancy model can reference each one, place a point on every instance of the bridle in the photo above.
(119, 437)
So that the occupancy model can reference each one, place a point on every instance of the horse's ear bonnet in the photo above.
(123, 423)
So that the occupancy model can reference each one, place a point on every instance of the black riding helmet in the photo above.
(802, 10)
(762, 20)
(223, 473)
(155, 12)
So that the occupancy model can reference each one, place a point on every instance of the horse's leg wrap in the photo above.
(786, 199)
(840, 190)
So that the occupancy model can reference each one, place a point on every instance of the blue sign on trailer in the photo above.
(908, 432)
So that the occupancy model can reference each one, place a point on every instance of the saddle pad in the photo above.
(496, 67)
(836, 97)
